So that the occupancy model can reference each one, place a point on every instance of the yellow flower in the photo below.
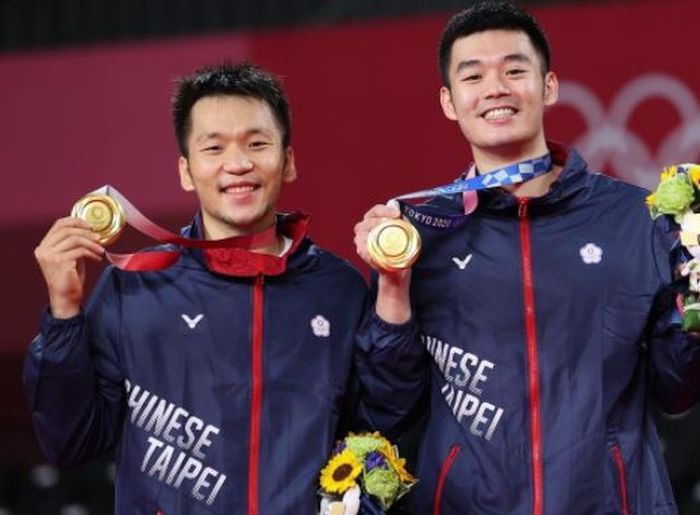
(339, 475)
(650, 200)
(398, 464)
(693, 171)
(668, 173)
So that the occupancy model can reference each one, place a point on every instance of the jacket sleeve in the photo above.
(393, 373)
(73, 381)
(674, 354)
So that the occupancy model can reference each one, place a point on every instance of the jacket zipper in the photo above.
(444, 470)
(620, 466)
(533, 374)
(256, 398)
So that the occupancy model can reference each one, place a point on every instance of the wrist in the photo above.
(393, 303)
(62, 308)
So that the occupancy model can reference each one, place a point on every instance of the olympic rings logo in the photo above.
(607, 140)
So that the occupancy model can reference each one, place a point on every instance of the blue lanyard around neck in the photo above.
(511, 174)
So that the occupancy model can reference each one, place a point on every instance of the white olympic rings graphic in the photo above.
(608, 141)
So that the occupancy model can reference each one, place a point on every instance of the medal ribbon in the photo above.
(160, 259)
(511, 174)
(469, 184)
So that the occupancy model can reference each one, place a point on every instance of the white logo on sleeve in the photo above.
(462, 263)
(192, 322)
(591, 254)
(321, 326)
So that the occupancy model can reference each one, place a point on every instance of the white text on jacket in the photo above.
(177, 444)
(465, 373)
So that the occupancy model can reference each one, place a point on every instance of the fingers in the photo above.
(388, 210)
(65, 227)
(67, 234)
(60, 255)
(67, 246)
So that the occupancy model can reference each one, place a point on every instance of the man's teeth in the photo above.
(498, 114)
(240, 189)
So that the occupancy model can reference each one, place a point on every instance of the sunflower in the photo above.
(397, 463)
(339, 475)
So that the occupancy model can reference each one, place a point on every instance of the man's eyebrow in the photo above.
(467, 64)
(207, 136)
(517, 57)
(252, 131)
(255, 131)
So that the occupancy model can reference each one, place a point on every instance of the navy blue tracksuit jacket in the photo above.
(221, 394)
(547, 328)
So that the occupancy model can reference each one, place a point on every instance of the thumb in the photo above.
(394, 204)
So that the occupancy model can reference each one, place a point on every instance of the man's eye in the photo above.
(258, 144)
(471, 78)
(515, 71)
(212, 148)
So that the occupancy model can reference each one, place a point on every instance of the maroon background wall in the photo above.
(367, 125)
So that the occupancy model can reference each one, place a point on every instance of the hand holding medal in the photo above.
(103, 213)
(395, 244)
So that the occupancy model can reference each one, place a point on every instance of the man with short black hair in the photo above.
(222, 380)
(544, 306)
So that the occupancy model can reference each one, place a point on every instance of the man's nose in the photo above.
(236, 162)
(496, 86)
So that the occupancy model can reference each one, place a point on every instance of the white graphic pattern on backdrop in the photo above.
(609, 143)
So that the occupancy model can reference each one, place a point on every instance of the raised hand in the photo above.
(393, 302)
(61, 256)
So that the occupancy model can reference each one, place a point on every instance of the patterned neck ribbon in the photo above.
(468, 185)
(511, 174)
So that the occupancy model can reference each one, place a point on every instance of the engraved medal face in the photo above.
(394, 244)
(393, 240)
(103, 213)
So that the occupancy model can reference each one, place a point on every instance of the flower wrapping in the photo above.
(368, 461)
(678, 195)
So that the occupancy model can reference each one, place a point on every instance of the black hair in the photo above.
(242, 79)
(491, 15)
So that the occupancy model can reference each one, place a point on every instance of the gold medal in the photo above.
(104, 214)
(394, 244)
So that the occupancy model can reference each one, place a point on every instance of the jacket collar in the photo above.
(238, 262)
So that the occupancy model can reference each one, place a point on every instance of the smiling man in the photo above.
(220, 381)
(544, 308)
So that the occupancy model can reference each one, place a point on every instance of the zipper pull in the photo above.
(522, 207)
(260, 279)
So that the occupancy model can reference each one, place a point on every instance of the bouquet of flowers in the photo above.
(678, 195)
(364, 475)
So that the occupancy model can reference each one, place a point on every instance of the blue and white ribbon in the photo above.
(511, 174)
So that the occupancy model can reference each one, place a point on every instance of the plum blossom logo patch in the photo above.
(321, 326)
(591, 254)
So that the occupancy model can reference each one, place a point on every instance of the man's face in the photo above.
(497, 93)
(236, 164)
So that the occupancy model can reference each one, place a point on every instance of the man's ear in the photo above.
(551, 89)
(289, 174)
(448, 107)
(185, 176)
